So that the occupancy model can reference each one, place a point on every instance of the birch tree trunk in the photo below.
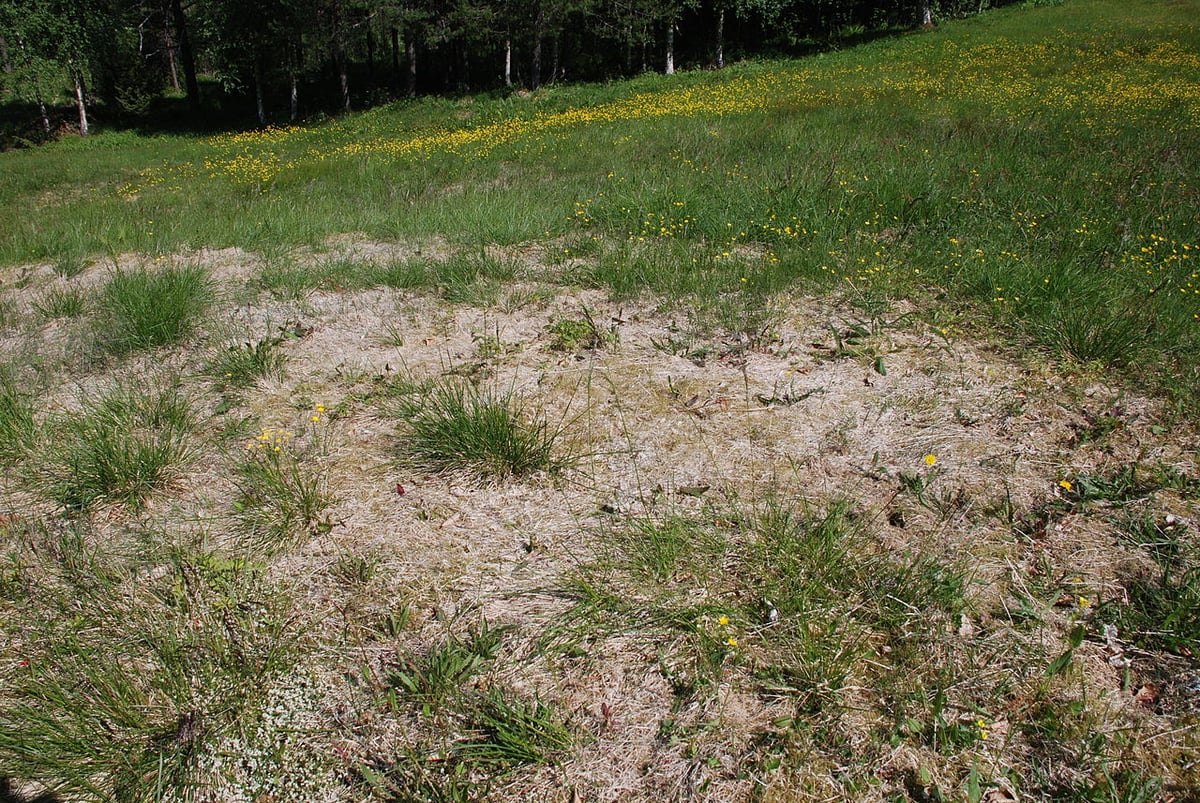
(339, 53)
(671, 47)
(508, 62)
(80, 102)
(41, 102)
(259, 106)
(539, 27)
(926, 14)
(395, 37)
(721, 38)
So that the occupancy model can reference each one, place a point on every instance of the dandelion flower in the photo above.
(722, 620)
(930, 459)
(1065, 485)
(731, 641)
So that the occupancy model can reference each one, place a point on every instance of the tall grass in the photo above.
(17, 427)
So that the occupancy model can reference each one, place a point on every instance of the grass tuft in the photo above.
(17, 428)
(60, 303)
(119, 449)
(282, 492)
(452, 426)
(141, 309)
(244, 364)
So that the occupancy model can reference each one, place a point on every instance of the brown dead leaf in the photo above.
(1147, 695)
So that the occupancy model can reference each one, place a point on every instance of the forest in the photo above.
(229, 63)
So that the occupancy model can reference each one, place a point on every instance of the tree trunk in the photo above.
(343, 79)
(460, 75)
(259, 106)
(926, 14)
(339, 54)
(41, 102)
(671, 47)
(535, 70)
(4, 55)
(172, 62)
(186, 55)
(294, 81)
(508, 62)
(721, 38)
(80, 102)
(410, 47)
(628, 49)
(555, 57)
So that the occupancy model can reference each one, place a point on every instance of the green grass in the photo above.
(143, 309)
(128, 684)
(282, 490)
(119, 449)
(17, 427)
(60, 303)
(860, 167)
(802, 595)
(243, 364)
(454, 426)
(1002, 203)
(472, 735)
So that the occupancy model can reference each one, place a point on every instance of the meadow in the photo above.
(804, 430)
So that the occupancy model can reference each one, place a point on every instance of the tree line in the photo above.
(279, 60)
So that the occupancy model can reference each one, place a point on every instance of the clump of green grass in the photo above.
(453, 426)
(243, 364)
(17, 427)
(119, 449)
(792, 605)
(580, 334)
(60, 303)
(802, 572)
(435, 678)
(281, 495)
(124, 684)
(472, 278)
(1160, 609)
(141, 309)
(466, 738)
